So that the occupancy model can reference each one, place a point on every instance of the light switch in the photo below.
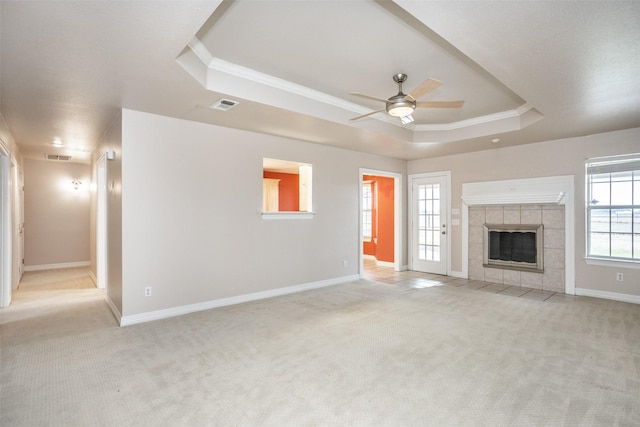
(455, 222)
(455, 211)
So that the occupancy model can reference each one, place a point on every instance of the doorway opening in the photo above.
(5, 228)
(380, 231)
(101, 223)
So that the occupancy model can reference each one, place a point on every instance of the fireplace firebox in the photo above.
(514, 247)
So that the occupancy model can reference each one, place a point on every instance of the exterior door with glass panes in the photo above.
(429, 229)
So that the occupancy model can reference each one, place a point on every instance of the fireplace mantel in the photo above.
(513, 198)
(550, 190)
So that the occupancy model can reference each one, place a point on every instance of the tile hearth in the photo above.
(412, 280)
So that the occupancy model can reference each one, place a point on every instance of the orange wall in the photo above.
(288, 189)
(383, 219)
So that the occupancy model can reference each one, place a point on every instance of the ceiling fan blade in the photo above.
(439, 104)
(368, 114)
(426, 86)
(361, 95)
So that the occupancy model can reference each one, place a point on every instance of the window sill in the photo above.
(619, 263)
(287, 215)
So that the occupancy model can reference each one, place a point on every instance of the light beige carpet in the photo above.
(359, 354)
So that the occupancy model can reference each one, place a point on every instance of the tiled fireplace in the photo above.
(551, 217)
(512, 206)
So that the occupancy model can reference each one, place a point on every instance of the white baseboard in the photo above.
(385, 264)
(57, 266)
(404, 268)
(378, 263)
(458, 274)
(635, 299)
(114, 309)
(192, 308)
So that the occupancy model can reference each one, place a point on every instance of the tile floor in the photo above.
(415, 279)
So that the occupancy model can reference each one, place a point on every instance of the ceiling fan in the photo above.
(402, 105)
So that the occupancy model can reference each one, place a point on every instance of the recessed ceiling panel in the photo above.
(352, 46)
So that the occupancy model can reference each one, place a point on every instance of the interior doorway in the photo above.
(5, 227)
(380, 218)
(101, 223)
(17, 179)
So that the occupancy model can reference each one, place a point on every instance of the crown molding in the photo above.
(238, 80)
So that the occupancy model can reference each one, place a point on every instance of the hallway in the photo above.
(48, 296)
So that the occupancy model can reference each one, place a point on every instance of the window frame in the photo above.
(367, 237)
(601, 167)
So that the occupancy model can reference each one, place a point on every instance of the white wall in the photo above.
(191, 228)
(56, 215)
(9, 228)
(111, 141)
(550, 158)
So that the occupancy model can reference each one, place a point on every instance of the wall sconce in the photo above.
(76, 184)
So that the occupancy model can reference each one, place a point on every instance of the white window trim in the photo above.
(305, 173)
(287, 215)
(612, 262)
(603, 260)
(369, 238)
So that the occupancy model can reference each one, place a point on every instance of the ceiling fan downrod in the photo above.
(400, 78)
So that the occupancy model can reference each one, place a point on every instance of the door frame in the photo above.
(397, 217)
(17, 256)
(6, 272)
(101, 222)
(410, 181)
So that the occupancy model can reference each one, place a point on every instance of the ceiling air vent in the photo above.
(57, 157)
(224, 104)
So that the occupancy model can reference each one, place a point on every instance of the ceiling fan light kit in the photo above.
(400, 108)
(403, 105)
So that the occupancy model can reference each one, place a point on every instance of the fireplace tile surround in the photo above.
(553, 219)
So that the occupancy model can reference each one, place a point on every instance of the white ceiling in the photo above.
(528, 71)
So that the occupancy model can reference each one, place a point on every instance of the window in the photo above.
(286, 187)
(367, 210)
(613, 208)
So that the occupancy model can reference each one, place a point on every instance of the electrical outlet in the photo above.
(619, 277)
(344, 263)
(147, 291)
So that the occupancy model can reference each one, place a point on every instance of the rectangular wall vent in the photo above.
(57, 157)
(224, 104)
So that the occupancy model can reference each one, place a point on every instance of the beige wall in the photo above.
(550, 158)
(184, 202)
(191, 225)
(56, 214)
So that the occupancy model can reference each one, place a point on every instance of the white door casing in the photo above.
(17, 221)
(397, 209)
(5, 228)
(101, 223)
